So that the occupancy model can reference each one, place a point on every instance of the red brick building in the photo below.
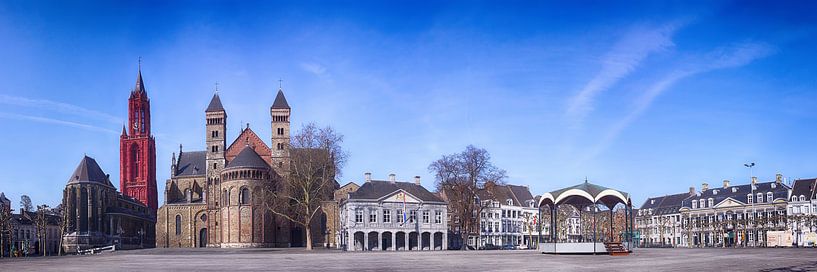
(137, 150)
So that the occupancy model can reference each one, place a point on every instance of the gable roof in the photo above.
(248, 158)
(377, 189)
(280, 101)
(89, 171)
(518, 194)
(215, 104)
(248, 136)
(191, 163)
(804, 187)
(667, 204)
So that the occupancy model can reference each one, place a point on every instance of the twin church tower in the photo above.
(213, 197)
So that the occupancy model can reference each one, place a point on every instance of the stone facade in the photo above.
(100, 216)
(213, 198)
(332, 211)
(392, 215)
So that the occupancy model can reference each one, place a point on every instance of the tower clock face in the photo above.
(135, 125)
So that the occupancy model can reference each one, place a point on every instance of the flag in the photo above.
(404, 207)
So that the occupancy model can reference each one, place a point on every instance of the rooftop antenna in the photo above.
(280, 83)
(216, 87)
(140, 63)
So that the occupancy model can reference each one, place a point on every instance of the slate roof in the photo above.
(280, 101)
(215, 104)
(804, 187)
(780, 191)
(248, 158)
(667, 204)
(89, 171)
(192, 163)
(377, 189)
(519, 194)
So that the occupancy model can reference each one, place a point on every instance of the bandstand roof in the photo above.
(585, 193)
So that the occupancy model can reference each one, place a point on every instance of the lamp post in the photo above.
(751, 166)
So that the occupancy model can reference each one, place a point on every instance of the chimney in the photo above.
(417, 180)
(368, 176)
(392, 178)
(778, 178)
(754, 180)
(725, 183)
(704, 186)
(692, 191)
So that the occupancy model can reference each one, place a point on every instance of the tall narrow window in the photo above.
(387, 216)
(245, 196)
(178, 224)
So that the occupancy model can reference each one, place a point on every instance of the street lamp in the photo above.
(751, 166)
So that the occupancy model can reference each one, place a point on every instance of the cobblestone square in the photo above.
(332, 260)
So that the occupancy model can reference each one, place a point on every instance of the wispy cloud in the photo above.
(47, 120)
(60, 107)
(722, 58)
(625, 56)
(313, 68)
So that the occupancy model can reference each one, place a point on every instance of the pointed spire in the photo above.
(215, 104)
(140, 85)
(124, 133)
(280, 101)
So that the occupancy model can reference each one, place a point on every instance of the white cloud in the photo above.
(625, 56)
(60, 107)
(722, 58)
(313, 68)
(55, 121)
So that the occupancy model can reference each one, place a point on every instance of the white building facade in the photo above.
(391, 215)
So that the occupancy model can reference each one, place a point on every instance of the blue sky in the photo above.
(648, 97)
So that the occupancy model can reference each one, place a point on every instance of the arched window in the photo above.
(694, 205)
(802, 198)
(178, 224)
(188, 195)
(759, 197)
(224, 198)
(749, 199)
(710, 203)
(245, 196)
(203, 217)
(769, 197)
(510, 202)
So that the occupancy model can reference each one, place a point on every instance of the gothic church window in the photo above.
(245, 196)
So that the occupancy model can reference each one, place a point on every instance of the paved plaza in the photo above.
(332, 260)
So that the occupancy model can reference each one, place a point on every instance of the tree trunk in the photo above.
(308, 237)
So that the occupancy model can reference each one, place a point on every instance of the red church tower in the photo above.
(137, 149)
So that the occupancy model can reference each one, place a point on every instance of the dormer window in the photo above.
(802, 198)
(694, 204)
(510, 202)
(734, 189)
(793, 198)
(715, 192)
(749, 199)
(769, 197)
(702, 203)
(711, 202)
(759, 197)
(774, 185)
(652, 201)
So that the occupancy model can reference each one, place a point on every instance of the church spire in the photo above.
(140, 85)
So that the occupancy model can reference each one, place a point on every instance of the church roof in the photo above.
(192, 163)
(89, 171)
(280, 101)
(248, 158)
(377, 189)
(215, 104)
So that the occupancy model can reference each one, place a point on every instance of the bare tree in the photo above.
(41, 221)
(25, 203)
(316, 159)
(459, 177)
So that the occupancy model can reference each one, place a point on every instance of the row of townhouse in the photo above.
(757, 214)
(508, 218)
(21, 235)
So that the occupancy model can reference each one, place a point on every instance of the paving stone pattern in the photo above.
(293, 259)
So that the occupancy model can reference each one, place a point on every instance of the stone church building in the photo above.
(213, 198)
